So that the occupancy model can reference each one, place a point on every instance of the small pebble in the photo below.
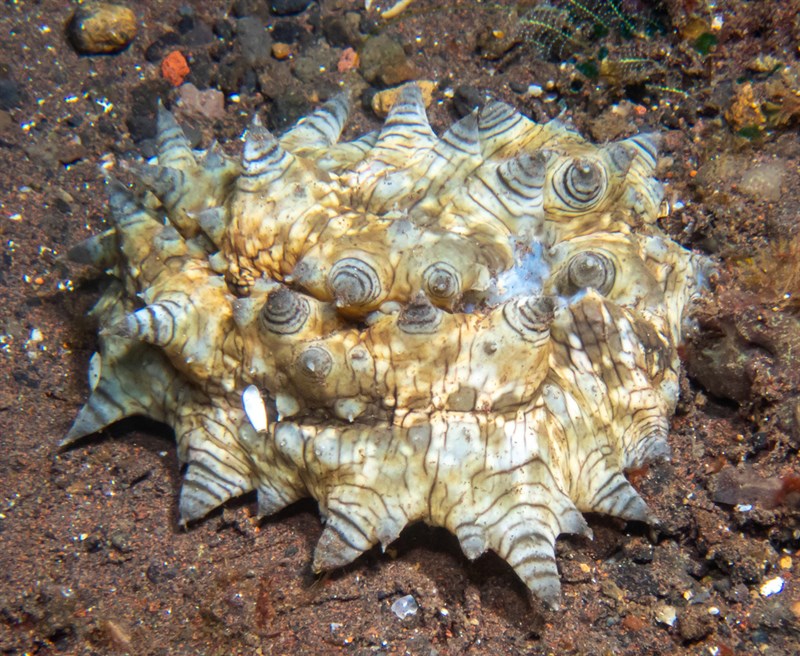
(287, 108)
(158, 573)
(156, 51)
(209, 103)
(771, 587)
(223, 29)
(343, 31)
(281, 50)
(287, 7)
(633, 623)
(200, 34)
(9, 90)
(666, 615)
(348, 60)
(174, 68)
(638, 550)
(101, 28)
(254, 40)
(288, 31)
(467, 98)
(383, 59)
(6, 122)
(383, 100)
(141, 121)
(405, 607)
(695, 624)
(763, 181)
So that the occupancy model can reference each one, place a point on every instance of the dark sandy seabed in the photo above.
(92, 558)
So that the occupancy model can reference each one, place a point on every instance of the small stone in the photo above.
(120, 542)
(288, 7)
(286, 109)
(398, 73)
(612, 591)
(200, 34)
(382, 56)
(745, 110)
(5, 121)
(71, 152)
(288, 31)
(763, 181)
(141, 120)
(254, 41)
(343, 31)
(175, 68)
(243, 8)
(742, 486)
(695, 624)
(157, 50)
(666, 615)
(383, 100)
(159, 572)
(573, 572)
(223, 29)
(9, 90)
(405, 607)
(638, 550)
(101, 28)
(466, 99)
(348, 60)
(633, 623)
(771, 587)
(93, 544)
(209, 103)
(281, 50)
(306, 69)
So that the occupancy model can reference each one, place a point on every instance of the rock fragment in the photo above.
(98, 28)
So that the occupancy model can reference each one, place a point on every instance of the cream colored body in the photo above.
(372, 308)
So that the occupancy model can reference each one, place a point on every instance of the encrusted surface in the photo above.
(476, 330)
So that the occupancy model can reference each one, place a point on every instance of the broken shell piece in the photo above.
(254, 408)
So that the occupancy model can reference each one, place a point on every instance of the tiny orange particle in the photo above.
(174, 68)
(693, 173)
(640, 110)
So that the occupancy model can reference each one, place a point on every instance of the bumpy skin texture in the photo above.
(476, 330)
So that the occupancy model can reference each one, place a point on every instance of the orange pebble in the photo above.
(347, 60)
(174, 68)
(281, 50)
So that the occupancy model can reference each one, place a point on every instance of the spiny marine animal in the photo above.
(476, 330)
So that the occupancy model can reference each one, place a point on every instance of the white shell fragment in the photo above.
(477, 330)
(772, 587)
(405, 607)
(254, 408)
